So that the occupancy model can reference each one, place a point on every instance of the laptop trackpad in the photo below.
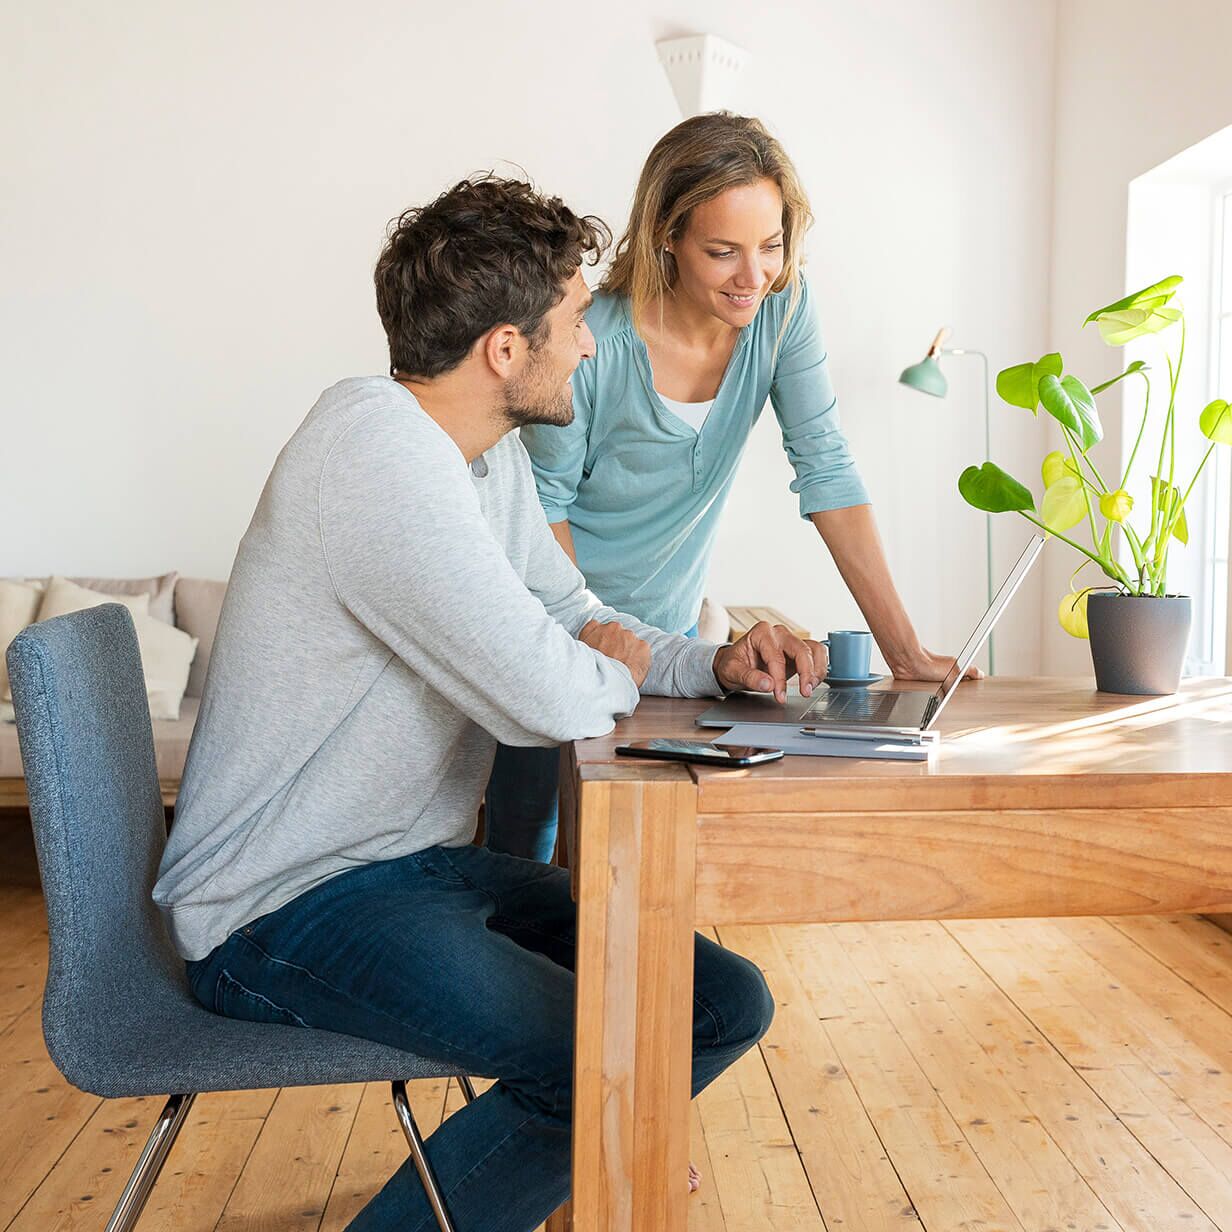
(756, 708)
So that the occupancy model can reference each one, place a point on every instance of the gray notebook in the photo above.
(798, 743)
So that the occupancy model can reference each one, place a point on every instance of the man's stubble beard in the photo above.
(525, 404)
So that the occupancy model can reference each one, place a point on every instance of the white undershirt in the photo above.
(693, 413)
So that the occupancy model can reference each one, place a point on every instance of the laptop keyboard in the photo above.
(853, 706)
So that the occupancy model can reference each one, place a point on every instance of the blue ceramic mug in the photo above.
(851, 653)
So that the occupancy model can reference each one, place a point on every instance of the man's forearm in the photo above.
(852, 538)
(679, 667)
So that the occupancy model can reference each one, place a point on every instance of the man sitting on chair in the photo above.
(397, 606)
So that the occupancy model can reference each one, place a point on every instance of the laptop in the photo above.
(859, 713)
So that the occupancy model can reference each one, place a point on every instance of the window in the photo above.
(1209, 651)
(1180, 222)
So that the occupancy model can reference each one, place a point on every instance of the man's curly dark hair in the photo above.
(488, 252)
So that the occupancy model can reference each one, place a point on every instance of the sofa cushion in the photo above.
(166, 659)
(171, 739)
(160, 589)
(19, 603)
(198, 602)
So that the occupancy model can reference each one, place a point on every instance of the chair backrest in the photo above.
(83, 723)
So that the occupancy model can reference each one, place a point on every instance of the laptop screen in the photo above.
(977, 639)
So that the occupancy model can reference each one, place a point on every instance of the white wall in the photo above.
(1137, 83)
(924, 134)
(195, 196)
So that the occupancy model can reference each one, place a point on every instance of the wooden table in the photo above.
(1046, 799)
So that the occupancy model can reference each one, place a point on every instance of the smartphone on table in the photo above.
(702, 754)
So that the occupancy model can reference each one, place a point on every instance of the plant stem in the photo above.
(1086, 496)
(1156, 525)
(1135, 546)
(1111, 568)
(1209, 450)
(1176, 513)
(1075, 453)
(1146, 411)
(1161, 583)
(1168, 440)
(1172, 434)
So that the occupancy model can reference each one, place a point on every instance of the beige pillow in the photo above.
(166, 659)
(63, 596)
(19, 603)
(166, 652)
(160, 589)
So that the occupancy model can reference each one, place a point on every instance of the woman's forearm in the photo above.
(564, 536)
(852, 538)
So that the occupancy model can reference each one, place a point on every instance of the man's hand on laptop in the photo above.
(618, 643)
(766, 658)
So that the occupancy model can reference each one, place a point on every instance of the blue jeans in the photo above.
(520, 813)
(466, 956)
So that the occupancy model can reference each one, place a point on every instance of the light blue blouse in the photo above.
(643, 491)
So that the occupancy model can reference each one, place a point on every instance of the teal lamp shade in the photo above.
(926, 376)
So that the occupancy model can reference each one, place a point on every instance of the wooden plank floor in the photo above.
(1025, 1076)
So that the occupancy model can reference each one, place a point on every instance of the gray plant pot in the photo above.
(1138, 642)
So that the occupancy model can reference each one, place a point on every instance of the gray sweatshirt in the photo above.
(391, 615)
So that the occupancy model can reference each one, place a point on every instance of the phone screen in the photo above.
(693, 750)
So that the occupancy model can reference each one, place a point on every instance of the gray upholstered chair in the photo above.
(118, 1016)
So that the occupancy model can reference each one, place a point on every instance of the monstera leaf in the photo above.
(1063, 505)
(989, 488)
(1072, 613)
(1019, 385)
(1144, 312)
(1216, 422)
(1055, 465)
(1069, 402)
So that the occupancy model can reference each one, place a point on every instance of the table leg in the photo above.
(561, 1219)
(634, 861)
(566, 830)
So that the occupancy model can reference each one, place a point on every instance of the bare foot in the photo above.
(695, 1179)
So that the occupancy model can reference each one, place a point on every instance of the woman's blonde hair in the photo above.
(698, 159)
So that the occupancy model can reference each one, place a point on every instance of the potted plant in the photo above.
(1138, 631)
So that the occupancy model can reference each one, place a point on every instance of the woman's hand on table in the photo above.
(924, 665)
(766, 658)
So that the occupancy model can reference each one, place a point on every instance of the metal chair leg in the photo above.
(157, 1147)
(468, 1089)
(426, 1176)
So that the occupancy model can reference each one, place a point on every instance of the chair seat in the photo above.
(175, 1044)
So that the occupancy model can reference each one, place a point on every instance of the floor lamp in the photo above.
(927, 377)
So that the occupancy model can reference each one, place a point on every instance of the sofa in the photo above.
(191, 604)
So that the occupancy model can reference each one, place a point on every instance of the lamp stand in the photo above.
(988, 516)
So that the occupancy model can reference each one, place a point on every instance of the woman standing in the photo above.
(703, 314)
